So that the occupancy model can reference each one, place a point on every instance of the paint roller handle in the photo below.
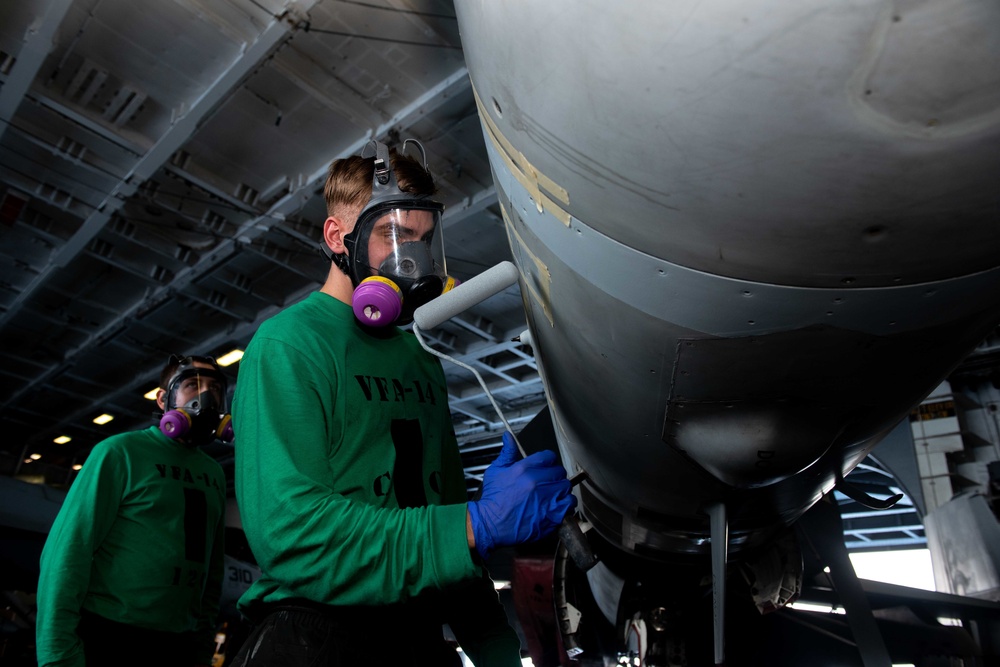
(475, 290)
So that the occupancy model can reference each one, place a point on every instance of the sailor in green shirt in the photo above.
(132, 569)
(348, 476)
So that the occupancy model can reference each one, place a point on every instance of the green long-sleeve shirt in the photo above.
(138, 540)
(348, 476)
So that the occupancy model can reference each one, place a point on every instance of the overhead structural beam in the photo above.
(229, 200)
(36, 47)
(431, 99)
(490, 421)
(470, 206)
(86, 122)
(346, 103)
(178, 133)
(423, 25)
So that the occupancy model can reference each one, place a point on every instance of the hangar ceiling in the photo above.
(161, 173)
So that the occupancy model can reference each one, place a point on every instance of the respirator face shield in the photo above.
(197, 388)
(395, 252)
(195, 404)
(396, 261)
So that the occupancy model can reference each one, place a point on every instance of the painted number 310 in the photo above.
(239, 575)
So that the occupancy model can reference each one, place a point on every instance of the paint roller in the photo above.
(476, 290)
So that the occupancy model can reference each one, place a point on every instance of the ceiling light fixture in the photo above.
(103, 419)
(230, 358)
(62, 439)
(35, 457)
(151, 394)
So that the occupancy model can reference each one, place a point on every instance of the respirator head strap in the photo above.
(383, 177)
(340, 260)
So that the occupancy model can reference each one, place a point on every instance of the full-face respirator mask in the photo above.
(201, 417)
(390, 252)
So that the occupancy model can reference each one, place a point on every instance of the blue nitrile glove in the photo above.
(522, 500)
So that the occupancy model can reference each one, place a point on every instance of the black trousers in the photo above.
(108, 643)
(314, 636)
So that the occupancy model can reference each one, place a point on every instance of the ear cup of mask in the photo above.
(377, 301)
(175, 423)
(225, 430)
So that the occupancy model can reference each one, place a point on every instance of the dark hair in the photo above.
(349, 180)
(176, 360)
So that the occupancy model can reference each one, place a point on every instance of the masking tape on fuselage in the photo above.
(540, 278)
(540, 187)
